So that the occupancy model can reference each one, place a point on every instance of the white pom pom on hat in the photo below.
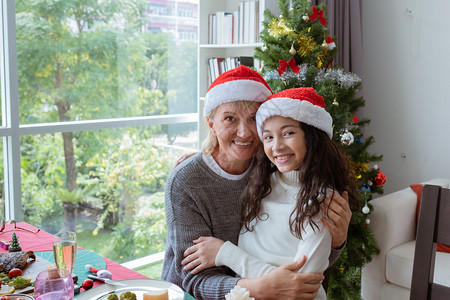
(301, 104)
(241, 83)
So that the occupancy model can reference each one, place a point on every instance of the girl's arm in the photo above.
(209, 252)
(315, 245)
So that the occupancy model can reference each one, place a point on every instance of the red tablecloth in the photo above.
(43, 241)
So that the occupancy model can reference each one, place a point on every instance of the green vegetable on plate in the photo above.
(128, 296)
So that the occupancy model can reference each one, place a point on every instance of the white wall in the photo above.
(406, 85)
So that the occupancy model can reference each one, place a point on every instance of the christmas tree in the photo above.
(299, 52)
(15, 245)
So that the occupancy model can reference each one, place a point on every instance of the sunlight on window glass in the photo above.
(114, 197)
(85, 60)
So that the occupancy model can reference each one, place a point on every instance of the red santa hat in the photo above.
(241, 83)
(301, 104)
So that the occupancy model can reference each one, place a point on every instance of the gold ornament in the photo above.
(306, 45)
(335, 103)
(279, 27)
(292, 51)
(321, 58)
(360, 167)
(305, 18)
(325, 44)
(365, 167)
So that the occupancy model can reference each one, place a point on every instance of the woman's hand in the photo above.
(285, 282)
(339, 215)
(202, 255)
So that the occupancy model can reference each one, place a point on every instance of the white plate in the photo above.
(137, 286)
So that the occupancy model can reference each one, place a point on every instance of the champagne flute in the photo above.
(54, 284)
(65, 249)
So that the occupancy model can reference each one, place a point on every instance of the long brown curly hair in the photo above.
(324, 166)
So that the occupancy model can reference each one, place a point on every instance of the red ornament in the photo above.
(355, 119)
(87, 284)
(380, 179)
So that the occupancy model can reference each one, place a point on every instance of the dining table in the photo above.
(41, 243)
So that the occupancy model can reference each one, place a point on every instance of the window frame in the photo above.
(11, 130)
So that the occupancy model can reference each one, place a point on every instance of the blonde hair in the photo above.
(210, 144)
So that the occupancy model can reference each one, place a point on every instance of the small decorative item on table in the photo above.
(100, 273)
(238, 293)
(5, 244)
(15, 245)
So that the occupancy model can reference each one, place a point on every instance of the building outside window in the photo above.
(98, 101)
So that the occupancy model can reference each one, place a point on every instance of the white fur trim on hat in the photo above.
(236, 90)
(239, 84)
(300, 110)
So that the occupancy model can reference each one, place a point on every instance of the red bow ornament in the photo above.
(316, 13)
(284, 65)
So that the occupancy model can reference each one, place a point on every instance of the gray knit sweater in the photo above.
(200, 203)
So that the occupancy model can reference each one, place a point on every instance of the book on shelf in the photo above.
(228, 28)
(241, 23)
(246, 61)
(246, 24)
(212, 28)
(219, 65)
(220, 27)
(253, 21)
(235, 27)
(240, 26)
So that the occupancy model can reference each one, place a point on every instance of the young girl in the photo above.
(288, 192)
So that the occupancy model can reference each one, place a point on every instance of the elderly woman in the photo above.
(203, 197)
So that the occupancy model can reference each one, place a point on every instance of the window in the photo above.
(96, 107)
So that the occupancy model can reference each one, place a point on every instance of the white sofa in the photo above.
(393, 222)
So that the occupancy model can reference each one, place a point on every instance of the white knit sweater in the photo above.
(271, 243)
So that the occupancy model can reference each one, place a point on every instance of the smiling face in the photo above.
(235, 129)
(284, 143)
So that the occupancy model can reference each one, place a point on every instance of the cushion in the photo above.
(399, 265)
(391, 291)
(418, 189)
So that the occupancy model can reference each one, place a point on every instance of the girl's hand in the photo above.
(339, 215)
(202, 255)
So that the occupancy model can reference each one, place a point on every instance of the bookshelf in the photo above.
(207, 50)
